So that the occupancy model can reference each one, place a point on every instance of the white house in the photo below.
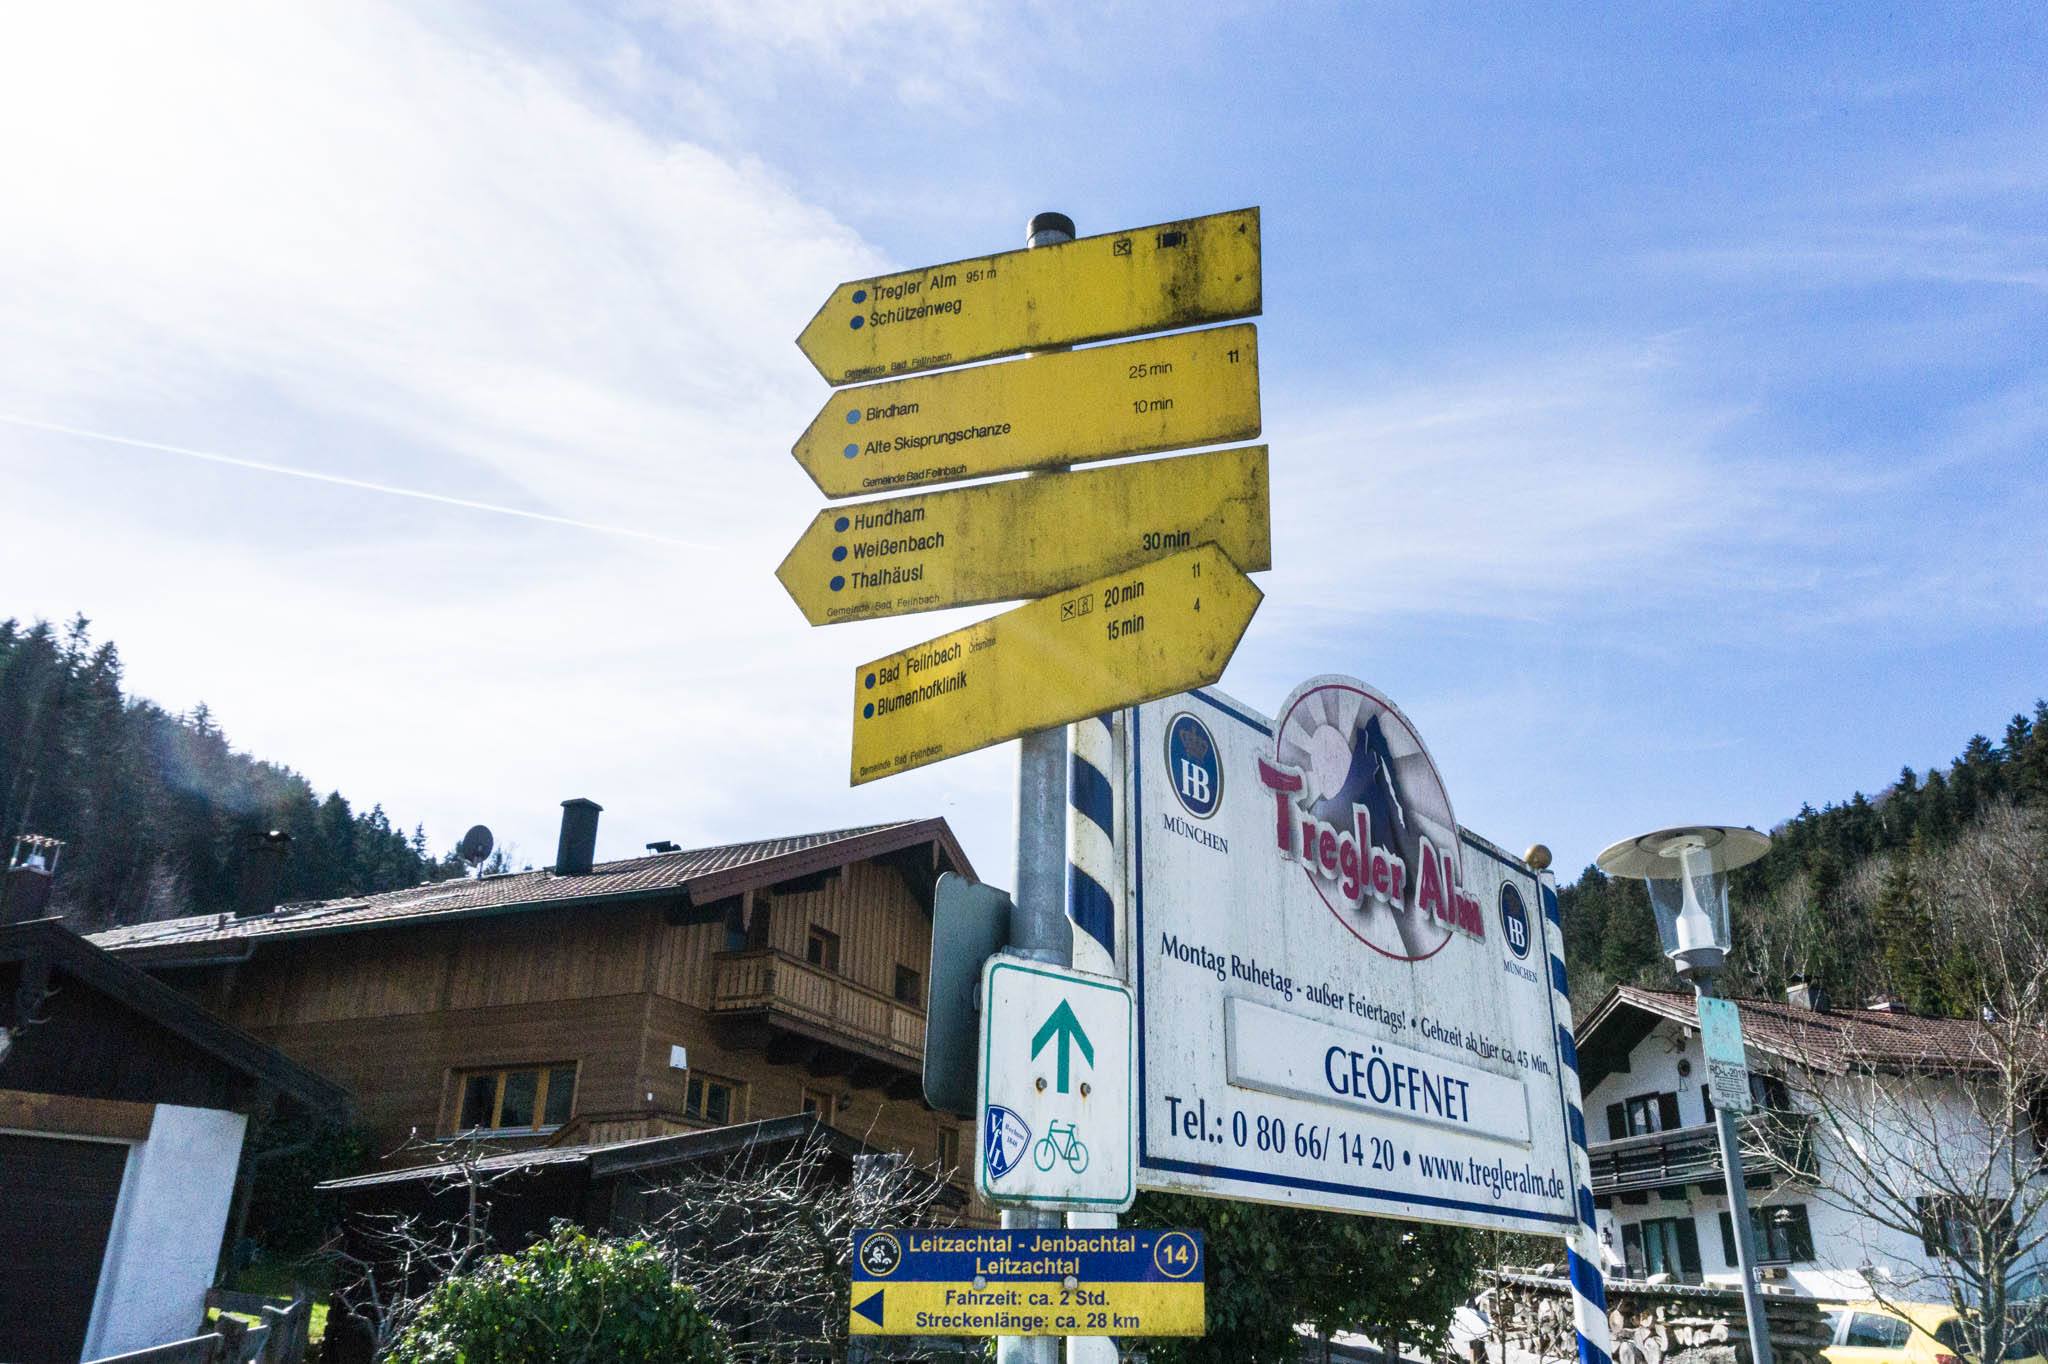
(1657, 1180)
(124, 1109)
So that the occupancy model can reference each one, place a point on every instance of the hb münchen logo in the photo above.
(1192, 767)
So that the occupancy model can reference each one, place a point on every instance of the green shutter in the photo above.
(1799, 1234)
(1688, 1247)
(1617, 1122)
(1728, 1240)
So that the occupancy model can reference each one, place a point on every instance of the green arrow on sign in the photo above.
(1063, 1025)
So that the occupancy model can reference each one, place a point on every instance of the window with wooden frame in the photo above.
(532, 1098)
(909, 987)
(949, 1147)
(1783, 1235)
(819, 1103)
(1641, 1115)
(822, 949)
(713, 1099)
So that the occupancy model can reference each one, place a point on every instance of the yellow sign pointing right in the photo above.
(1162, 393)
(1150, 631)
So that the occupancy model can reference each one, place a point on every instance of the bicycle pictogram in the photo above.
(1062, 1141)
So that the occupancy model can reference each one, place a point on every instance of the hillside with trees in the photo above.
(1850, 895)
(156, 809)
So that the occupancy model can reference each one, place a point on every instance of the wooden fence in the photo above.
(279, 1337)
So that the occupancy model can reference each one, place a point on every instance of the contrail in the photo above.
(363, 485)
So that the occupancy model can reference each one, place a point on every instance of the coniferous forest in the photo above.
(1851, 895)
(157, 810)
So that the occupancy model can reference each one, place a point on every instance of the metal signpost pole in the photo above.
(1038, 925)
(1738, 1211)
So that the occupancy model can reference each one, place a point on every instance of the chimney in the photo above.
(31, 873)
(263, 858)
(1806, 994)
(578, 847)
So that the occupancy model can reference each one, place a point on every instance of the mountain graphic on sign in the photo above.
(1369, 782)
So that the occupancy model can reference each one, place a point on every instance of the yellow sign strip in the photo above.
(1026, 537)
(1150, 631)
(1162, 393)
(1156, 278)
(1028, 1307)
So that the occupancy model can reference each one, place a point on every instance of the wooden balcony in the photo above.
(1692, 1155)
(805, 1015)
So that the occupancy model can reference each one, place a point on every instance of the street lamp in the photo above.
(1686, 871)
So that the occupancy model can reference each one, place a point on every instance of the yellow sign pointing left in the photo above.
(1156, 278)
(1150, 631)
(1026, 537)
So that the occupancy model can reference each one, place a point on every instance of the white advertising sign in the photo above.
(1343, 997)
(1056, 1068)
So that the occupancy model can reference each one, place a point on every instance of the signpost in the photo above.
(1026, 537)
(1727, 1062)
(1070, 407)
(1027, 1282)
(1055, 1089)
(1148, 631)
(1170, 275)
(1139, 587)
(1341, 999)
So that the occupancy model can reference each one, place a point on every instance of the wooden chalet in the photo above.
(600, 1002)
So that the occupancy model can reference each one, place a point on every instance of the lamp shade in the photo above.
(1686, 870)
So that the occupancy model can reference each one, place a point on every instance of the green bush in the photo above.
(570, 1299)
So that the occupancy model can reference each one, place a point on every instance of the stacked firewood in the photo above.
(1652, 1323)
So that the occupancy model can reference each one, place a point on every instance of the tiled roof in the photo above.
(705, 874)
(1825, 1039)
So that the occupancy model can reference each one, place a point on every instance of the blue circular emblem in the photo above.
(1191, 766)
(1514, 921)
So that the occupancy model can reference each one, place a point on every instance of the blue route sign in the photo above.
(1027, 1282)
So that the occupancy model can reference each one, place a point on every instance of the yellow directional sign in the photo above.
(1128, 637)
(1162, 393)
(1091, 289)
(1026, 537)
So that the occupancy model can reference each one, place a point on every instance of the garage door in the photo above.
(56, 1206)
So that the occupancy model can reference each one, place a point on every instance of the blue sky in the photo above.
(1656, 394)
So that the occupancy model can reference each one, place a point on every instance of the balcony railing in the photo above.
(835, 1009)
(1692, 1155)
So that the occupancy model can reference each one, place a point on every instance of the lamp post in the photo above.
(1686, 871)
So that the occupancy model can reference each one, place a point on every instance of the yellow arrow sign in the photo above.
(1119, 284)
(1126, 638)
(1026, 537)
(1162, 393)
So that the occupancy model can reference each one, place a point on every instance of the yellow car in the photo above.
(1910, 1333)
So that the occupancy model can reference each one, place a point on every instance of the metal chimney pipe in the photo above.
(577, 849)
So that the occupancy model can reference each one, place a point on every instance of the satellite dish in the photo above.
(476, 845)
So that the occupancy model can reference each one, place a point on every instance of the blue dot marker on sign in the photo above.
(841, 524)
(860, 295)
(852, 450)
(857, 322)
(868, 711)
(852, 415)
(871, 681)
(838, 583)
(838, 554)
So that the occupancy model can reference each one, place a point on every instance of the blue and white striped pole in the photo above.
(1095, 879)
(1582, 1245)
(1094, 871)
